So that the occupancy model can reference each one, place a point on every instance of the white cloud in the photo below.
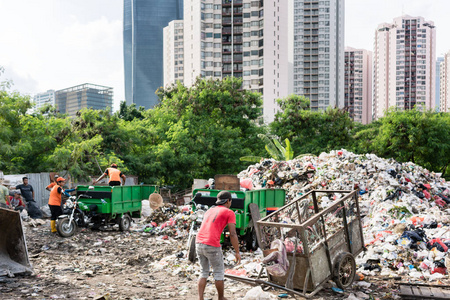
(50, 44)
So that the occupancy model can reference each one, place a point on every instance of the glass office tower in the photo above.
(143, 23)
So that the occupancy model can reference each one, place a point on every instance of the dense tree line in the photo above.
(201, 131)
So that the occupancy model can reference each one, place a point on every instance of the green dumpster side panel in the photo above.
(124, 199)
(264, 198)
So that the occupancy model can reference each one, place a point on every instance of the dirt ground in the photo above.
(129, 265)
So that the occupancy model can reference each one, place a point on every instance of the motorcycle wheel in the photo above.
(191, 249)
(125, 223)
(66, 228)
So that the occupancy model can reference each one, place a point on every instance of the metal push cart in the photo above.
(324, 231)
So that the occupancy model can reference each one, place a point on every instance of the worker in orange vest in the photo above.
(54, 202)
(114, 176)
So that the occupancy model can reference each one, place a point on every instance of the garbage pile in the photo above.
(406, 208)
(167, 220)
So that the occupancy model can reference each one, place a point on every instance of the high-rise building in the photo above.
(404, 62)
(42, 99)
(444, 79)
(439, 60)
(143, 23)
(71, 100)
(358, 84)
(319, 52)
(173, 53)
(240, 38)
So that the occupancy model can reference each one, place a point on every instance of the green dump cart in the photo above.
(267, 200)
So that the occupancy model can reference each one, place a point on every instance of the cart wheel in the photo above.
(124, 223)
(66, 228)
(251, 242)
(344, 270)
(191, 250)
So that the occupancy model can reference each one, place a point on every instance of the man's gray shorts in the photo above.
(210, 256)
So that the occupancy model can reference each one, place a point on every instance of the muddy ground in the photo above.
(130, 265)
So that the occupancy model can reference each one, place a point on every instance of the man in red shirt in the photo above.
(208, 247)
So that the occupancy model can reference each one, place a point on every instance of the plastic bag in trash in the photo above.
(257, 293)
(146, 210)
(46, 213)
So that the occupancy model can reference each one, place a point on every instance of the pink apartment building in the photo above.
(404, 65)
(358, 84)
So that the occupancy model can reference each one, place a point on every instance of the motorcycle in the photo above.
(197, 219)
(72, 216)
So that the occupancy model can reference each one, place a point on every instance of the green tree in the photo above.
(419, 137)
(312, 131)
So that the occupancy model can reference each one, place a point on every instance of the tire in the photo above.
(192, 255)
(344, 270)
(251, 242)
(124, 223)
(66, 228)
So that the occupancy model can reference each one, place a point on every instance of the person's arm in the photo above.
(49, 187)
(100, 178)
(234, 241)
(124, 178)
(32, 192)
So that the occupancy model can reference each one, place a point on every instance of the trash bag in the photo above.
(33, 210)
(247, 183)
(257, 293)
(46, 213)
(146, 211)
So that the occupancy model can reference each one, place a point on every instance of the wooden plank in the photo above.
(437, 292)
(416, 291)
(254, 212)
(405, 290)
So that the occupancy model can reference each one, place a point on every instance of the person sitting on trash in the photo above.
(54, 202)
(52, 184)
(114, 176)
(16, 202)
(208, 247)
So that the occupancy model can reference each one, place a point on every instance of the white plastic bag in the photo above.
(257, 293)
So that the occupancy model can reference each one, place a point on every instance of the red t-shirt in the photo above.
(214, 221)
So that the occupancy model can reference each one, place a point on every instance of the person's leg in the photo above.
(220, 286)
(204, 265)
(54, 211)
(201, 287)
(215, 257)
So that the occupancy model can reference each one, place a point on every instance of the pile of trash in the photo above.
(167, 220)
(406, 208)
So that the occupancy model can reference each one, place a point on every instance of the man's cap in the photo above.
(223, 197)
(56, 176)
(60, 179)
(18, 192)
(113, 165)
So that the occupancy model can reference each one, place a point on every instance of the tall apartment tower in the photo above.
(71, 100)
(42, 99)
(319, 52)
(173, 53)
(444, 79)
(404, 65)
(143, 23)
(358, 84)
(240, 38)
(439, 60)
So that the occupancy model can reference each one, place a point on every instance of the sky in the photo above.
(56, 44)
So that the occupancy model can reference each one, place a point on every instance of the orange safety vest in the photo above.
(114, 174)
(55, 197)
